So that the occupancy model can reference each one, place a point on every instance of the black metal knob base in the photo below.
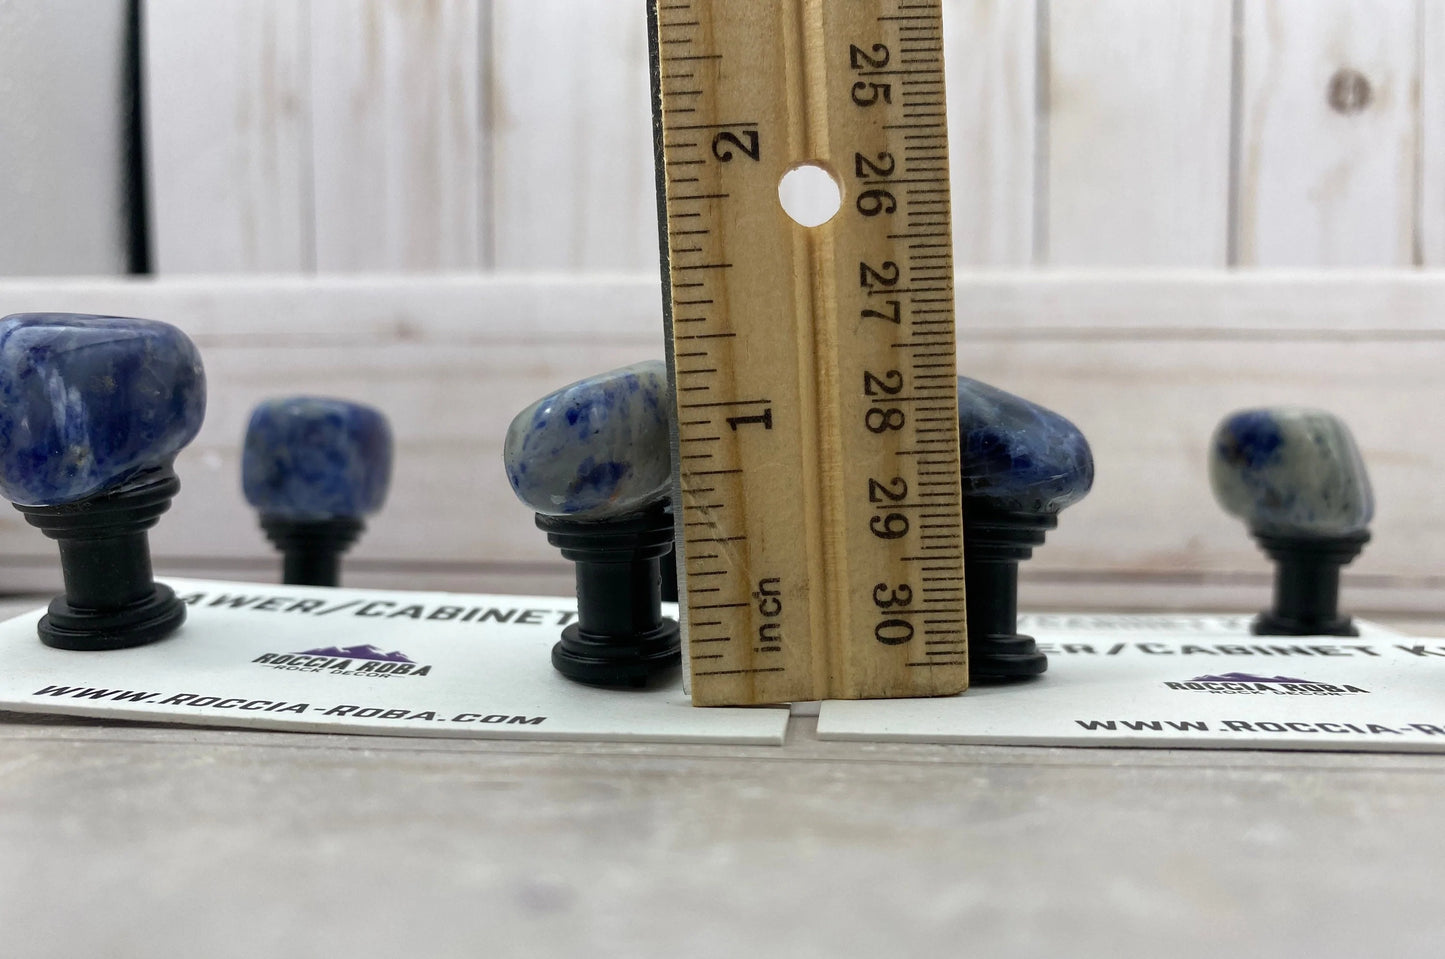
(1307, 584)
(1004, 659)
(1268, 624)
(311, 549)
(111, 599)
(620, 638)
(614, 661)
(994, 543)
(155, 617)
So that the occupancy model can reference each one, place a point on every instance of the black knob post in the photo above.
(620, 637)
(669, 568)
(994, 543)
(111, 600)
(311, 549)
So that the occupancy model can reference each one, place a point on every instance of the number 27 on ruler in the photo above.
(817, 453)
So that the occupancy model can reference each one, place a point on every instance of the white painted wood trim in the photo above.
(1432, 134)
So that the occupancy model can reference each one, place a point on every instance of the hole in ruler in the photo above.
(810, 194)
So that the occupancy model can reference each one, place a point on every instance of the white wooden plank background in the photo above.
(574, 186)
(989, 56)
(1432, 134)
(62, 143)
(1138, 133)
(1146, 386)
(397, 138)
(1328, 173)
(229, 132)
(514, 135)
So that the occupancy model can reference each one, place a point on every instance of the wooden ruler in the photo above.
(817, 445)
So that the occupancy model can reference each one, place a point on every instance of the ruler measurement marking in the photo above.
(714, 126)
(887, 180)
(740, 672)
(724, 403)
(886, 73)
(894, 291)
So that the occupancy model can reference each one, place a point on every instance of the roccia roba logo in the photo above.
(1248, 684)
(346, 661)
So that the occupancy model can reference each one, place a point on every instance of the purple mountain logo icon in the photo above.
(1246, 678)
(359, 652)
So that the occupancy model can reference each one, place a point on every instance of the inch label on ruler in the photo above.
(817, 450)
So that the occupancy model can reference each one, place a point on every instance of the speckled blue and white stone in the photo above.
(88, 402)
(1291, 471)
(597, 449)
(1017, 455)
(310, 457)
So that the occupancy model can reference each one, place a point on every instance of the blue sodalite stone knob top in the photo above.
(596, 449)
(1291, 471)
(1019, 456)
(315, 458)
(89, 402)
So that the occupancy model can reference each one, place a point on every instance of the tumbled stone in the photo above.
(1291, 471)
(315, 458)
(596, 449)
(1019, 456)
(89, 402)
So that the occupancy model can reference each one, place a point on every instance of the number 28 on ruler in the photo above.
(813, 366)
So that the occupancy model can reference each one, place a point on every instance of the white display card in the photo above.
(361, 661)
(1040, 625)
(1124, 625)
(1183, 682)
